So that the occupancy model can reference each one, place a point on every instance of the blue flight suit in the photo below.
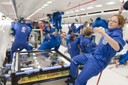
(73, 48)
(80, 27)
(100, 23)
(73, 27)
(87, 47)
(53, 42)
(29, 24)
(46, 38)
(67, 39)
(86, 44)
(47, 29)
(59, 41)
(57, 20)
(123, 58)
(13, 28)
(21, 38)
(100, 59)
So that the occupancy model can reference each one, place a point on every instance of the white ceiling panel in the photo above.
(37, 9)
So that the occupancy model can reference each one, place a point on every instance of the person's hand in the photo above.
(54, 33)
(81, 31)
(99, 30)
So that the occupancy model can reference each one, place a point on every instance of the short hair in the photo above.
(72, 37)
(87, 31)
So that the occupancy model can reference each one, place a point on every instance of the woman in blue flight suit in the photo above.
(110, 43)
(86, 42)
(21, 37)
(73, 46)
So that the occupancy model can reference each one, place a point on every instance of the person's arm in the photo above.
(114, 44)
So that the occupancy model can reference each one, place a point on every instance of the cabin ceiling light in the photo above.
(72, 12)
(49, 2)
(76, 10)
(82, 9)
(98, 5)
(90, 8)
(45, 4)
(67, 13)
(110, 3)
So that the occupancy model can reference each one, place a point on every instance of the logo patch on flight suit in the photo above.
(104, 42)
(23, 29)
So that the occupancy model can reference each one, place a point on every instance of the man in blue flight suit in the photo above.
(110, 43)
(21, 37)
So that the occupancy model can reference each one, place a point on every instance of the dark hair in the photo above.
(70, 31)
(85, 23)
(87, 31)
(72, 37)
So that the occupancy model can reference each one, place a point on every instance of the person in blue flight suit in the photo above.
(29, 24)
(53, 42)
(70, 32)
(21, 37)
(100, 23)
(57, 20)
(81, 27)
(86, 42)
(73, 27)
(47, 28)
(110, 43)
(47, 37)
(87, 47)
(50, 17)
(73, 46)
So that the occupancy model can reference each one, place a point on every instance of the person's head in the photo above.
(72, 37)
(70, 31)
(85, 23)
(48, 15)
(116, 21)
(63, 35)
(87, 31)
